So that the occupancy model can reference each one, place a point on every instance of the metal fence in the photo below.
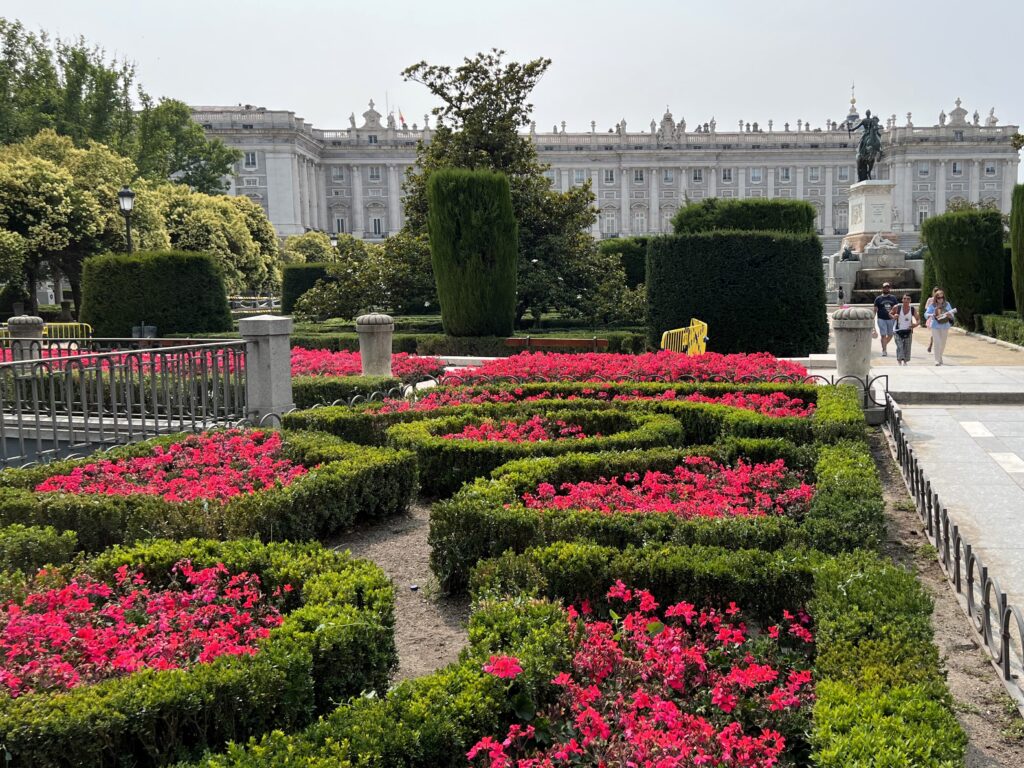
(58, 397)
(998, 624)
(692, 340)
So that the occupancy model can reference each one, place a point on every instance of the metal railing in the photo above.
(58, 398)
(997, 623)
(692, 340)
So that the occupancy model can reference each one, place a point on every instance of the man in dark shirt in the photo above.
(883, 307)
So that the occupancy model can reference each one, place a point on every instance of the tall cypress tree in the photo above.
(1017, 246)
(474, 246)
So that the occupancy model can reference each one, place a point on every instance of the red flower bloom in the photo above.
(505, 667)
(323, 362)
(534, 430)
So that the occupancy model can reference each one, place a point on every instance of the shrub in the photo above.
(178, 292)
(337, 640)
(474, 247)
(753, 214)
(633, 253)
(1009, 302)
(296, 280)
(966, 250)
(487, 517)
(445, 463)
(308, 391)
(1008, 327)
(352, 483)
(1017, 246)
(721, 278)
(27, 548)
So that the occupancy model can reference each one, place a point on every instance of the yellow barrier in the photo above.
(67, 331)
(692, 340)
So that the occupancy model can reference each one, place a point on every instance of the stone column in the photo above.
(852, 327)
(909, 215)
(741, 182)
(712, 181)
(654, 223)
(321, 198)
(940, 189)
(375, 334)
(975, 184)
(829, 224)
(26, 337)
(595, 186)
(268, 367)
(565, 179)
(627, 225)
(297, 189)
(1009, 177)
(771, 183)
(799, 182)
(358, 225)
(310, 203)
(684, 184)
(394, 201)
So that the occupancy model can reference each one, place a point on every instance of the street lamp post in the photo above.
(126, 201)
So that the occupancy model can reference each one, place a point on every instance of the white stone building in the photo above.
(350, 180)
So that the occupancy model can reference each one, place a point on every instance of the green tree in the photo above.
(12, 256)
(483, 108)
(1017, 246)
(314, 247)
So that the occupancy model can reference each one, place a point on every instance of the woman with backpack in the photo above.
(905, 320)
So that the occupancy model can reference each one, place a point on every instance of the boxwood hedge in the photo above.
(445, 464)
(337, 641)
(309, 391)
(487, 517)
(345, 483)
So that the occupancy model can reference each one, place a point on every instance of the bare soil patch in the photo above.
(985, 711)
(430, 629)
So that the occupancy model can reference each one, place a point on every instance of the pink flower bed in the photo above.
(776, 404)
(533, 430)
(699, 488)
(87, 631)
(322, 362)
(214, 465)
(652, 366)
(683, 687)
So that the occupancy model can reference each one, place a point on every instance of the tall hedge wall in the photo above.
(296, 280)
(966, 250)
(748, 214)
(758, 291)
(177, 291)
(633, 253)
(474, 247)
(1017, 245)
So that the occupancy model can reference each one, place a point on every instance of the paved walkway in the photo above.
(974, 457)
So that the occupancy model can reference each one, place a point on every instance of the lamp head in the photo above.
(126, 199)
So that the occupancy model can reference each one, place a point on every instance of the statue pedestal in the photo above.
(870, 208)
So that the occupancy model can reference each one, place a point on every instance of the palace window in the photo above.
(958, 135)
(990, 169)
(667, 176)
(579, 176)
(378, 226)
(923, 210)
(785, 174)
(246, 126)
(698, 176)
(252, 181)
(755, 175)
(374, 173)
(638, 175)
(371, 139)
(339, 224)
(551, 175)
(337, 173)
(250, 159)
(609, 224)
(639, 220)
(727, 175)
(957, 168)
(923, 168)
(666, 219)
(842, 218)
(814, 173)
(609, 175)
(844, 173)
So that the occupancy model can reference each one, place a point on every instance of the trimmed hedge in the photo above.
(751, 214)
(633, 253)
(28, 548)
(487, 518)
(177, 291)
(1017, 246)
(337, 641)
(474, 250)
(296, 279)
(966, 250)
(353, 483)
(1008, 327)
(838, 414)
(446, 464)
(757, 291)
(308, 391)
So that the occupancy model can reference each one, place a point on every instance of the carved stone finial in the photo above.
(371, 103)
(991, 121)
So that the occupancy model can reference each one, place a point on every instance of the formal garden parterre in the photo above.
(609, 533)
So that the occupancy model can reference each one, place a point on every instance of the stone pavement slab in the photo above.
(978, 473)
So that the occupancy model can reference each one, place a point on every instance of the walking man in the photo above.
(883, 309)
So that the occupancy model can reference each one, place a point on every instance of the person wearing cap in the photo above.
(883, 309)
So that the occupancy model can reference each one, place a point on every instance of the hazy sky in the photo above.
(750, 60)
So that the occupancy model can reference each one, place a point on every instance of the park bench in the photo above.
(552, 342)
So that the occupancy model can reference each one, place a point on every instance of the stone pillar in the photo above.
(595, 187)
(741, 182)
(358, 225)
(565, 180)
(712, 181)
(626, 227)
(394, 201)
(26, 337)
(297, 186)
(375, 332)
(828, 223)
(975, 183)
(684, 184)
(771, 183)
(909, 214)
(800, 182)
(268, 366)
(852, 327)
(940, 189)
(1009, 177)
(654, 222)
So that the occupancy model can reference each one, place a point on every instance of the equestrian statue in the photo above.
(869, 150)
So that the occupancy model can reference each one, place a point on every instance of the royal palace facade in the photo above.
(350, 180)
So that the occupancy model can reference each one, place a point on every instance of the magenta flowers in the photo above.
(533, 430)
(323, 362)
